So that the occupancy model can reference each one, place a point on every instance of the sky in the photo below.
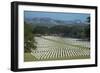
(57, 15)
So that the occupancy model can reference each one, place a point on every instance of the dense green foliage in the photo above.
(40, 30)
(75, 31)
(29, 42)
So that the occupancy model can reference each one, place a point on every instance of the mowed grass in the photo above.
(64, 58)
(29, 57)
(66, 43)
(55, 45)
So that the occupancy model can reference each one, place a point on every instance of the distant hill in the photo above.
(49, 22)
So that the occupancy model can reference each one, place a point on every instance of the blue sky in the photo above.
(57, 15)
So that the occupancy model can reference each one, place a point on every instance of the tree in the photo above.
(87, 32)
(87, 29)
(29, 41)
(88, 19)
(40, 30)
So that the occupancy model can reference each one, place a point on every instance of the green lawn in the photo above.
(78, 46)
(29, 57)
(64, 58)
(51, 49)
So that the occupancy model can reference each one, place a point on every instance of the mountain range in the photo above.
(49, 22)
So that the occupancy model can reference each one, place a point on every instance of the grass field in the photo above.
(29, 57)
(58, 48)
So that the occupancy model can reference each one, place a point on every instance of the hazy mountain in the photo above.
(46, 21)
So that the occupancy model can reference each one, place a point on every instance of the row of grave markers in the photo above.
(59, 53)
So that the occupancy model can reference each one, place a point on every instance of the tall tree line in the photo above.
(29, 41)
